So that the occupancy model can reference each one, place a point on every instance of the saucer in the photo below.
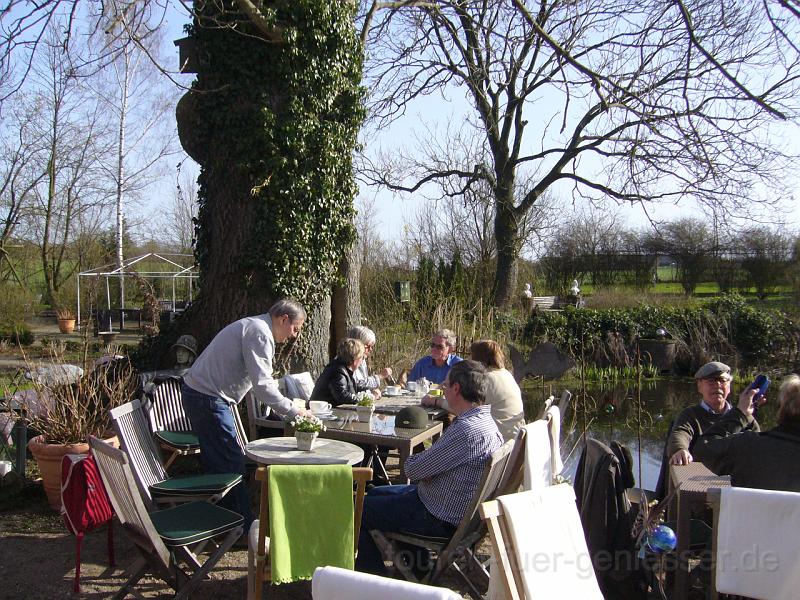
(323, 415)
(392, 395)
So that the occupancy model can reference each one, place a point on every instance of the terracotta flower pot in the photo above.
(49, 456)
(66, 325)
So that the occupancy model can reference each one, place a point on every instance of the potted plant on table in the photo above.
(65, 407)
(66, 319)
(365, 406)
(306, 431)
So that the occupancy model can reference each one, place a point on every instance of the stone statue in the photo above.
(527, 298)
(185, 351)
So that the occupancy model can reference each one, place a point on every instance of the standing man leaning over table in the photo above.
(238, 359)
(435, 366)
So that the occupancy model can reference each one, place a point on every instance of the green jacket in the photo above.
(690, 425)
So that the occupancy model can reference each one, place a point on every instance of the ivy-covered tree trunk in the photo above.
(273, 125)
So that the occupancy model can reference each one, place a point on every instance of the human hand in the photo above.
(386, 373)
(376, 393)
(428, 400)
(681, 457)
(304, 412)
(746, 404)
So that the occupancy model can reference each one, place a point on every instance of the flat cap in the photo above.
(713, 369)
(411, 417)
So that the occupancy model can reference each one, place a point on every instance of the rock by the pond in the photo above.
(545, 361)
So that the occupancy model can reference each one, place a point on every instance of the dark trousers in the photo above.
(213, 424)
(395, 508)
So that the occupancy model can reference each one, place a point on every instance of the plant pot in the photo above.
(660, 353)
(49, 456)
(364, 413)
(306, 440)
(66, 325)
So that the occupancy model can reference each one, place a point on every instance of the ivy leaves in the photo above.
(287, 116)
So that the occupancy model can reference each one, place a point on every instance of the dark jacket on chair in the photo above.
(607, 519)
(336, 385)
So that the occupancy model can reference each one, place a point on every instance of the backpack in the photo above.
(84, 504)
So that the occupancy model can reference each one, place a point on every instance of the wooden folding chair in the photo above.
(258, 555)
(461, 544)
(163, 537)
(155, 485)
(564, 555)
(257, 416)
(168, 421)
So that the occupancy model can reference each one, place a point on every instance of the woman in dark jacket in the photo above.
(769, 460)
(336, 384)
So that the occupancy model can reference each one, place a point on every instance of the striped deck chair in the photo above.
(168, 421)
(155, 485)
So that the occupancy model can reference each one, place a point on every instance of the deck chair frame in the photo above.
(463, 541)
(161, 555)
(145, 460)
(258, 570)
(166, 414)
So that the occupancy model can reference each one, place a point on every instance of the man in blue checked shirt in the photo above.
(445, 476)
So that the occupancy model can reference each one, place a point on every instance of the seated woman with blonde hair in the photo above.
(336, 384)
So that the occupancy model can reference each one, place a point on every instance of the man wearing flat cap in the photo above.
(714, 384)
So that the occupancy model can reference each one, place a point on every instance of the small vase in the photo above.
(364, 413)
(306, 440)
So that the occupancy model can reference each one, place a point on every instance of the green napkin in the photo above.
(310, 519)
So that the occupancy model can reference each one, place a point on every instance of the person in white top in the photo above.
(238, 359)
(502, 392)
(361, 376)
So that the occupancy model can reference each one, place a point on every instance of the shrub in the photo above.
(723, 326)
(17, 333)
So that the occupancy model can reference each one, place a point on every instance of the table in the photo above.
(694, 479)
(283, 451)
(391, 405)
(380, 431)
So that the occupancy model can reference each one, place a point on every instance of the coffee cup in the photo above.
(392, 390)
(319, 406)
(299, 403)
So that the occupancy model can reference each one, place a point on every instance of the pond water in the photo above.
(609, 413)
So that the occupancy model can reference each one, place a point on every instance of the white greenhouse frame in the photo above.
(128, 267)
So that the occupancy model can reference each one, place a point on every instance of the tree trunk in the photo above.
(228, 292)
(346, 299)
(508, 247)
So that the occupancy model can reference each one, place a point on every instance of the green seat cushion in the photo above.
(193, 522)
(181, 440)
(192, 485)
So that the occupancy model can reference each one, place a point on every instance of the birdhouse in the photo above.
(402, 291)
(187, 53)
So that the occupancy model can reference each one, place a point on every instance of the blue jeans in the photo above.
(213, 424)
(395, 508)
